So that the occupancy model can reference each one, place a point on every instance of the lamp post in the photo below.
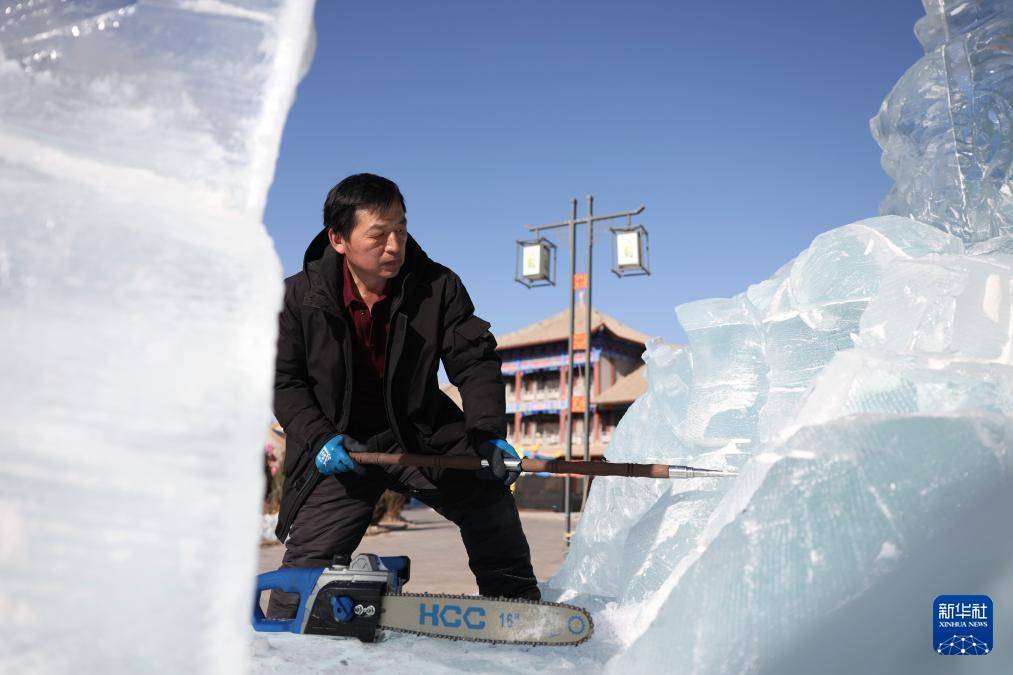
(536, 267)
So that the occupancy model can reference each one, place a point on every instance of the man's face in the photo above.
(376, 245)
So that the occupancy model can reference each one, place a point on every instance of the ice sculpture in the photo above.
(138, 296)
(945, 129)
(871, 382)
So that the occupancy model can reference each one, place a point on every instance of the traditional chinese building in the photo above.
(534, 368)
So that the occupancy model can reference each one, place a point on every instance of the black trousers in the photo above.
(337, 513)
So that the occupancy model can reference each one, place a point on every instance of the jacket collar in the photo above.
(323, 267)
(349, 294)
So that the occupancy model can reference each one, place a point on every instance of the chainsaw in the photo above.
(361, 596)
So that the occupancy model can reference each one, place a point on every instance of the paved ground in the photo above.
(439, 563)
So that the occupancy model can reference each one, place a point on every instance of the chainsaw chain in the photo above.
(520, 601)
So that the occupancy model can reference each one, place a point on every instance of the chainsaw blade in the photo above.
(491, 620)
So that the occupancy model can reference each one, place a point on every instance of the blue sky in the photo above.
(742, 127)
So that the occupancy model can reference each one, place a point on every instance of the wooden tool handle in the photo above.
(596, 468)
(559, 466)
(464, 462)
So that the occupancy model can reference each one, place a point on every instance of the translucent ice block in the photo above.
(944, 128)
(729, 369)
(949, 306)
(814, 526)
(138, 300)
(854, 457)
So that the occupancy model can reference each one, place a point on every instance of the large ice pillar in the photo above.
(879, 486)
(945, 129)
(138, 296)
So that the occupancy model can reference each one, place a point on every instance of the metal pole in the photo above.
(572, 224)
(587, 350)
(597, 219)
(567, 507)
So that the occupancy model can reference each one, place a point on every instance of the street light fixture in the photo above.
(630, 258)
(536, 263)
(630, 251)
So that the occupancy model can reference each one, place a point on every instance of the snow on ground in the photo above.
(286, 652)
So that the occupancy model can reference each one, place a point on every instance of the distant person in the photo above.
(362, 331)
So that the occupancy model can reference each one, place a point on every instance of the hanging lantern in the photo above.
(630, 251)
(536, 263)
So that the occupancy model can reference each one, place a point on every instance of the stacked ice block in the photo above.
(870, 382)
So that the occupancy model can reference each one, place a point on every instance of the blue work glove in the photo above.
(495, 451)
(333, 458)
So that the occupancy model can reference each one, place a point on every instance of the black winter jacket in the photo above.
(431, 318)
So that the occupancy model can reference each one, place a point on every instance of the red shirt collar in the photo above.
(349, 292)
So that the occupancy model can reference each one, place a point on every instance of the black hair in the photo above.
(361, 191)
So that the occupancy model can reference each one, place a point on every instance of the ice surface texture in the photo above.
(871, 381)
(138, 296)
(946, 129)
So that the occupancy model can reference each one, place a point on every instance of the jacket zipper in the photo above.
(391, 362)
(312, 478)
(397, 335)
(346, 401)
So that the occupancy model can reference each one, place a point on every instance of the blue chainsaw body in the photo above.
(344, 599)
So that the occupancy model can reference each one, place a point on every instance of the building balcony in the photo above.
(540, 395)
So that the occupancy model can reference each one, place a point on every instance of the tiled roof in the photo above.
(556, 328)
(627, 389)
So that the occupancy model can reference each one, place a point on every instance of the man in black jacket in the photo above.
(361, 334)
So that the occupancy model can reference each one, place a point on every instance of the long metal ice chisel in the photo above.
(559, 466)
